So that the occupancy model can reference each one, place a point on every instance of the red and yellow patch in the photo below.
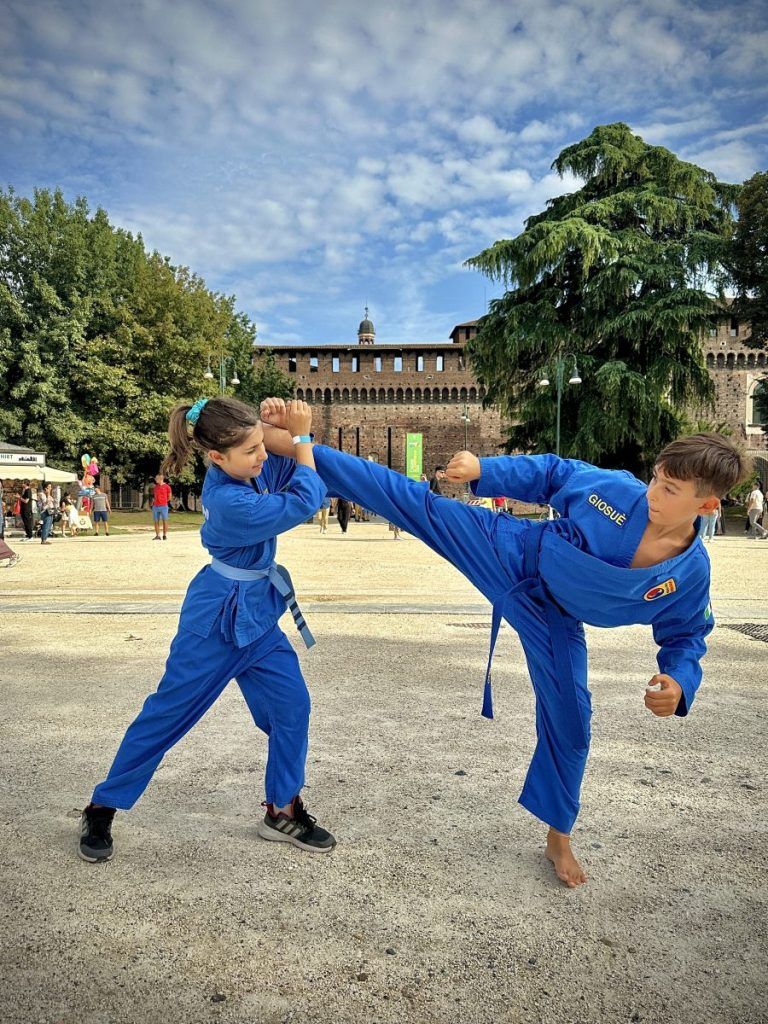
(660, 590)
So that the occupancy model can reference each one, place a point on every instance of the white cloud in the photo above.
(312, 151)
(481, 130)
(731, 161)
(668, 133)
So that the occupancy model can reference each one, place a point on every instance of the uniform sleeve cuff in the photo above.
(686, 700)
(486, 485)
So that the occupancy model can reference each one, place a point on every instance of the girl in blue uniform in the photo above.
(622, 552)
(228, 627)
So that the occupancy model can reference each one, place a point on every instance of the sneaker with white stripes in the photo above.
(96, 834)
(298, 828)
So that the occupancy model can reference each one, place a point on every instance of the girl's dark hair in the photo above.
(223, 423)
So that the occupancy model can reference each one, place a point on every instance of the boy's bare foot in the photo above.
(566, 866)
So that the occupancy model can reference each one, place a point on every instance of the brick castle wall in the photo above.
(368, 397)
(736, 370)
(369, 409)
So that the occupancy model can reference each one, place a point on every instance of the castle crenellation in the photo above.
(369, 395)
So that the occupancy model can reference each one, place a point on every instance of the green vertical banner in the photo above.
(413, 456)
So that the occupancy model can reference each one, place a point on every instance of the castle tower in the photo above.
(366, 333)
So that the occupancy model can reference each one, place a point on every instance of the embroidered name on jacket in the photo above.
(661, 590)
(614, 514)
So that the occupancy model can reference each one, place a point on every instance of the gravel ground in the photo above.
(437, 905)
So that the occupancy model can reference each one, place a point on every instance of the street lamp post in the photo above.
(223, 360)
(559, 381)
(465, 419)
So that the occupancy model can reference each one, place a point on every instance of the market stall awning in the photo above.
(57, 476)
(45, 473)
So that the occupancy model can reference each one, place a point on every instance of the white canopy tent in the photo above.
(45, 473)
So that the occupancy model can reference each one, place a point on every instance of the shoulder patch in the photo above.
(660, 590)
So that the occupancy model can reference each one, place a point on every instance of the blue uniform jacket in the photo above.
(240, 528)
(585, 557)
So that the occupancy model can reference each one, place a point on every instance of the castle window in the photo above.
(440, 364)
(313, 364)
(398, 367)
(419, 364)
(355, 364)
(377, 364)
(734, 328)
(757, 405)
(291, 364)
(461, 360)
(335, 364)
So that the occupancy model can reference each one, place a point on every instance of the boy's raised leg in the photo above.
(462, 534)
(466, 537)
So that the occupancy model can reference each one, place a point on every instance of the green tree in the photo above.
(268, 380)
(749, 257)
(626, 273)
(99, 338)
(749, 267)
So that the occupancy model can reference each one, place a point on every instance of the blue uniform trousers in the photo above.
(499, 555)
(198, 668)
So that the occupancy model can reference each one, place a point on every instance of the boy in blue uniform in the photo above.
(229, 621)
(620, 553)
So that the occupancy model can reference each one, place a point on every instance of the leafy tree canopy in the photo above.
(626, 274)
(100, 338)
(749, 257)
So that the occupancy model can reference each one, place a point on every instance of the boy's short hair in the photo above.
(714, 463)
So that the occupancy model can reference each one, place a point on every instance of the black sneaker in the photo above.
(96, 834)
(301, 829)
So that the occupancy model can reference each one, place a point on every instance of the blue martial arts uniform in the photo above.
(228, 629)
(546, 579)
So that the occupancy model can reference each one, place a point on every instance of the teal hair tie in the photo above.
(194, 413)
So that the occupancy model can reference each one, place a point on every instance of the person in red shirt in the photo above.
(160, 503)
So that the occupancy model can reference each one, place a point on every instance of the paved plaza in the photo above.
(438, 904)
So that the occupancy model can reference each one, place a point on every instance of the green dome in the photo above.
(366, 327)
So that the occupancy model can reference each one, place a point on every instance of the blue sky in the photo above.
(309, 157)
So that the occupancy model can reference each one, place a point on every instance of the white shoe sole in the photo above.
(273, 836)
(94, 860)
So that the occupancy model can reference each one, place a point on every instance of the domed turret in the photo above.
(366, 332)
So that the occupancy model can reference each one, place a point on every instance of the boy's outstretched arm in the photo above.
(533, 478)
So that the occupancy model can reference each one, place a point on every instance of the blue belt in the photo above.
(280, 578)
(532, 589)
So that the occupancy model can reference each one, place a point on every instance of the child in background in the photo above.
(161, 498)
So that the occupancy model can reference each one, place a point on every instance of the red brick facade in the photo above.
(369, 396)
(737, 371)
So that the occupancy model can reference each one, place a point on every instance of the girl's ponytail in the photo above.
(181, 442)
(217, 423)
